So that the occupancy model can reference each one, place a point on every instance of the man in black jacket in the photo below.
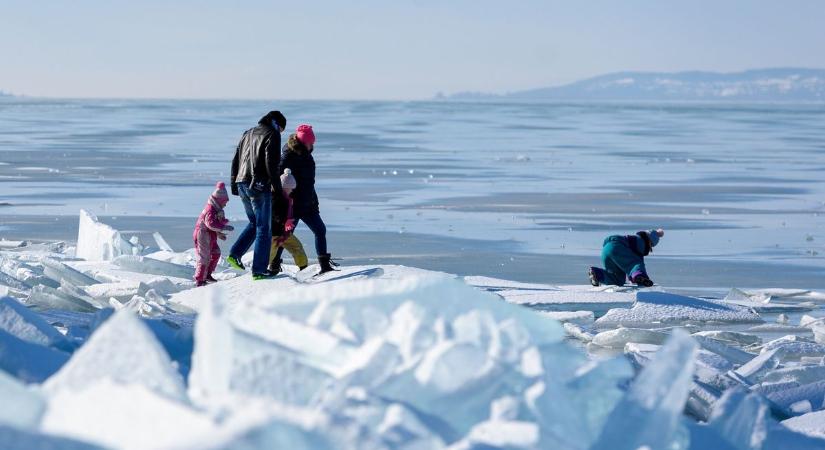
(254, 177)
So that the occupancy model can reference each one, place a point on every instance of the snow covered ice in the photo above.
(384, 357)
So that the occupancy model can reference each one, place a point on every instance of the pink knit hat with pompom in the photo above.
(220, 192)
(305, 134)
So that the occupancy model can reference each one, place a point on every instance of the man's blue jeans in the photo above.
(258, 206)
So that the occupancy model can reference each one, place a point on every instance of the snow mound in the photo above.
(123, 350)
(653, 309)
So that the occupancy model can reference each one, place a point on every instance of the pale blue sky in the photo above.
(384, 49)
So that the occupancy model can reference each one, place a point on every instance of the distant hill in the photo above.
(778, 84)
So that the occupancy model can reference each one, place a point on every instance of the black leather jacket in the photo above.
(257, 158)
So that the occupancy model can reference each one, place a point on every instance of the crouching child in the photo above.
(211, 226)
(623, 258)
(283, 226)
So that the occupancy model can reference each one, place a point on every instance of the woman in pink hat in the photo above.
(297, 156)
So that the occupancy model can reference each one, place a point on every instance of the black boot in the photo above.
(325, 260)
(274, 266)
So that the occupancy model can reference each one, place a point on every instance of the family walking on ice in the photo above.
(277, 188)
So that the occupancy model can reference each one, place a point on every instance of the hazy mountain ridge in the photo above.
(776, 84)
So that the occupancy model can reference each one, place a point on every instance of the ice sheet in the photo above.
(658, 308)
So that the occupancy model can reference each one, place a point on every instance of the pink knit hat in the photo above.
(305, 134)
(220, 193)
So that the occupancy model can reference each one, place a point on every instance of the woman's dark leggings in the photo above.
(316, 225)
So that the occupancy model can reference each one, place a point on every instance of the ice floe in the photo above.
(652, 309)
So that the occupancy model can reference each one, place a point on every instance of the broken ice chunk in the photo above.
(795, 347)
(27, 325)
(124, 416)
(31, 363)
(58, 271)
(730, 337)
(162, 244)
(578, 332)
(812, 392)
(577, 317)
(811, 424)
(501, 434)
(450, 365)
(99, 242)
(402, 429)
(124, 350)
(798, 374)
(753, 371)
(653, 309)
(650, 414)
(151, 266)
(16, 438)
(44, 297)
(728, 352)
(22, 406)
(619, 337)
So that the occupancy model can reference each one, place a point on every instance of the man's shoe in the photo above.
(235, 263)
(263, 276)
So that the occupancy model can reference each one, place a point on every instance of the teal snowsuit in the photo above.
(620, 260)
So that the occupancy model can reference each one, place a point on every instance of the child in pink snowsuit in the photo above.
(210, 227)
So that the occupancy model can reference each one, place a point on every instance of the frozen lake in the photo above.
(520, 191)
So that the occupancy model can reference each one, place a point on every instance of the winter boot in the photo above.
(275, 266)
(211, 279)
(593, 273)
(200, 283)
(235, 263)
(325, 260)
(642, 280)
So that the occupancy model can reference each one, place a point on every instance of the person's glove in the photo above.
(234, 188)
(289, 226)
(642, 280)
(229, 228)
(221, 236)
